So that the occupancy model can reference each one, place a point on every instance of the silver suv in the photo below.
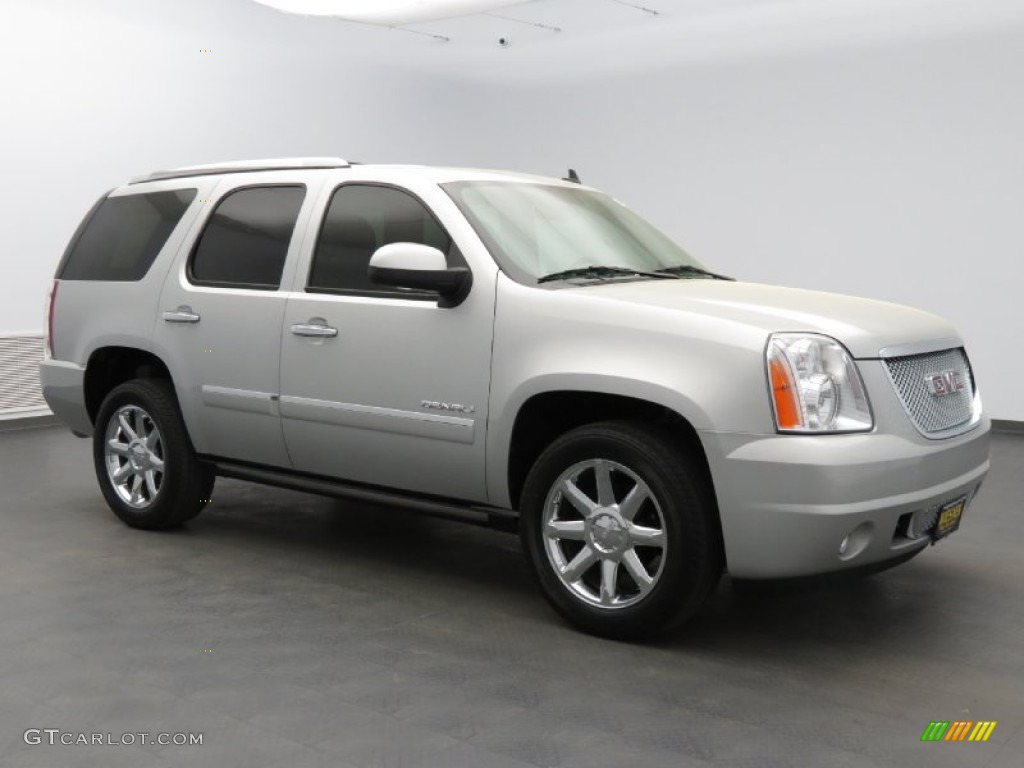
(522, 350)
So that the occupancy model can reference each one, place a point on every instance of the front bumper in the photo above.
(64, 391)
(787, 502)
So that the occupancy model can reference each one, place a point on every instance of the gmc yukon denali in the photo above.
(522, 350)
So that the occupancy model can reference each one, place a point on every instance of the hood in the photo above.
(864, 326)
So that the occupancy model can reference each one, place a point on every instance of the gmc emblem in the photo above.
(944, 383)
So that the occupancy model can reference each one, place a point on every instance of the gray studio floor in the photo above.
(296, 631)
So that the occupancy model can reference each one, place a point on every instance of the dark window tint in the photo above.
(359, 220)
(246, 239)
(124, 234)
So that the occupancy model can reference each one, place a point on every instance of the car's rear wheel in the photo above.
(145, 464)
(620, 526)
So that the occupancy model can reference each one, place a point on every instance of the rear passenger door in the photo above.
(393, 391)
(220, 314)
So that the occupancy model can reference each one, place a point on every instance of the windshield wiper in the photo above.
(689, 269)
(600, 271)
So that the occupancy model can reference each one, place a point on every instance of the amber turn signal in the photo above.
(787, 410)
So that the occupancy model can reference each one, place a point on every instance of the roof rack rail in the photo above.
(243, 166)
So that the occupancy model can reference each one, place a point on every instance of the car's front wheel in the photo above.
(146, 468)
(620, 526)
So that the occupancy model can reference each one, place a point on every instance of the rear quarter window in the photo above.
(123, 236)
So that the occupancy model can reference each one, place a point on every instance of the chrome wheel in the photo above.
(133, 452)
(604, 534)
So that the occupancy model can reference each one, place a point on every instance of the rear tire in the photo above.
(145, 464)
(620, 526)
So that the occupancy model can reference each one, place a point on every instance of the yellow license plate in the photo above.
(949, 519)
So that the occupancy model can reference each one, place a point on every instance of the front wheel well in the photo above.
(545, 417)
(109, 367)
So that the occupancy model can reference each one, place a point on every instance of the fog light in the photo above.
(856, 541)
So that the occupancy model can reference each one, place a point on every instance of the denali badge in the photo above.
(944, 383)
(434, 405)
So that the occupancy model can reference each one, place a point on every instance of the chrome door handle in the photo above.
(182, 314)
(315, 330)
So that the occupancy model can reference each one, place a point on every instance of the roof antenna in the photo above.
(572, 177)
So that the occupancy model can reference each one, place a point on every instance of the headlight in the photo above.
(815, 385)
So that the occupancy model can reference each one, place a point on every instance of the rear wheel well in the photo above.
(545, 417)
(110, 366)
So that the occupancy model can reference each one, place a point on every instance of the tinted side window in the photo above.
(124, 234)
(359, 220)
(246, 239)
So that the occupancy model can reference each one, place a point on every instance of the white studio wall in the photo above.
(889, 164)
(96, 93)
(857, 146)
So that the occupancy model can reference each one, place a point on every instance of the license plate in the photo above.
(949, 519)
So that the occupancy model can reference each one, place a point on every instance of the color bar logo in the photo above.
(958, 730)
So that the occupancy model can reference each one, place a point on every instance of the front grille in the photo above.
(933, 415)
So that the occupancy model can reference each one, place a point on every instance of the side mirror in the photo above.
(421, 267)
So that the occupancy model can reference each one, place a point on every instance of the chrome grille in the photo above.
(934, 416)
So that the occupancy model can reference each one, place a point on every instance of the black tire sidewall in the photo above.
(691, 567)
(183, 476)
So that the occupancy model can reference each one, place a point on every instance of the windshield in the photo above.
(540, 230)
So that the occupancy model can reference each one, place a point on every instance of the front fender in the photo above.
(551, 341)
(503, 422)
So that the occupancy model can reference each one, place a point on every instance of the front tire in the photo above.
(146, 468)
(620, 526)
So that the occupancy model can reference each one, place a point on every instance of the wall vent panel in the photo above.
(20, 356)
